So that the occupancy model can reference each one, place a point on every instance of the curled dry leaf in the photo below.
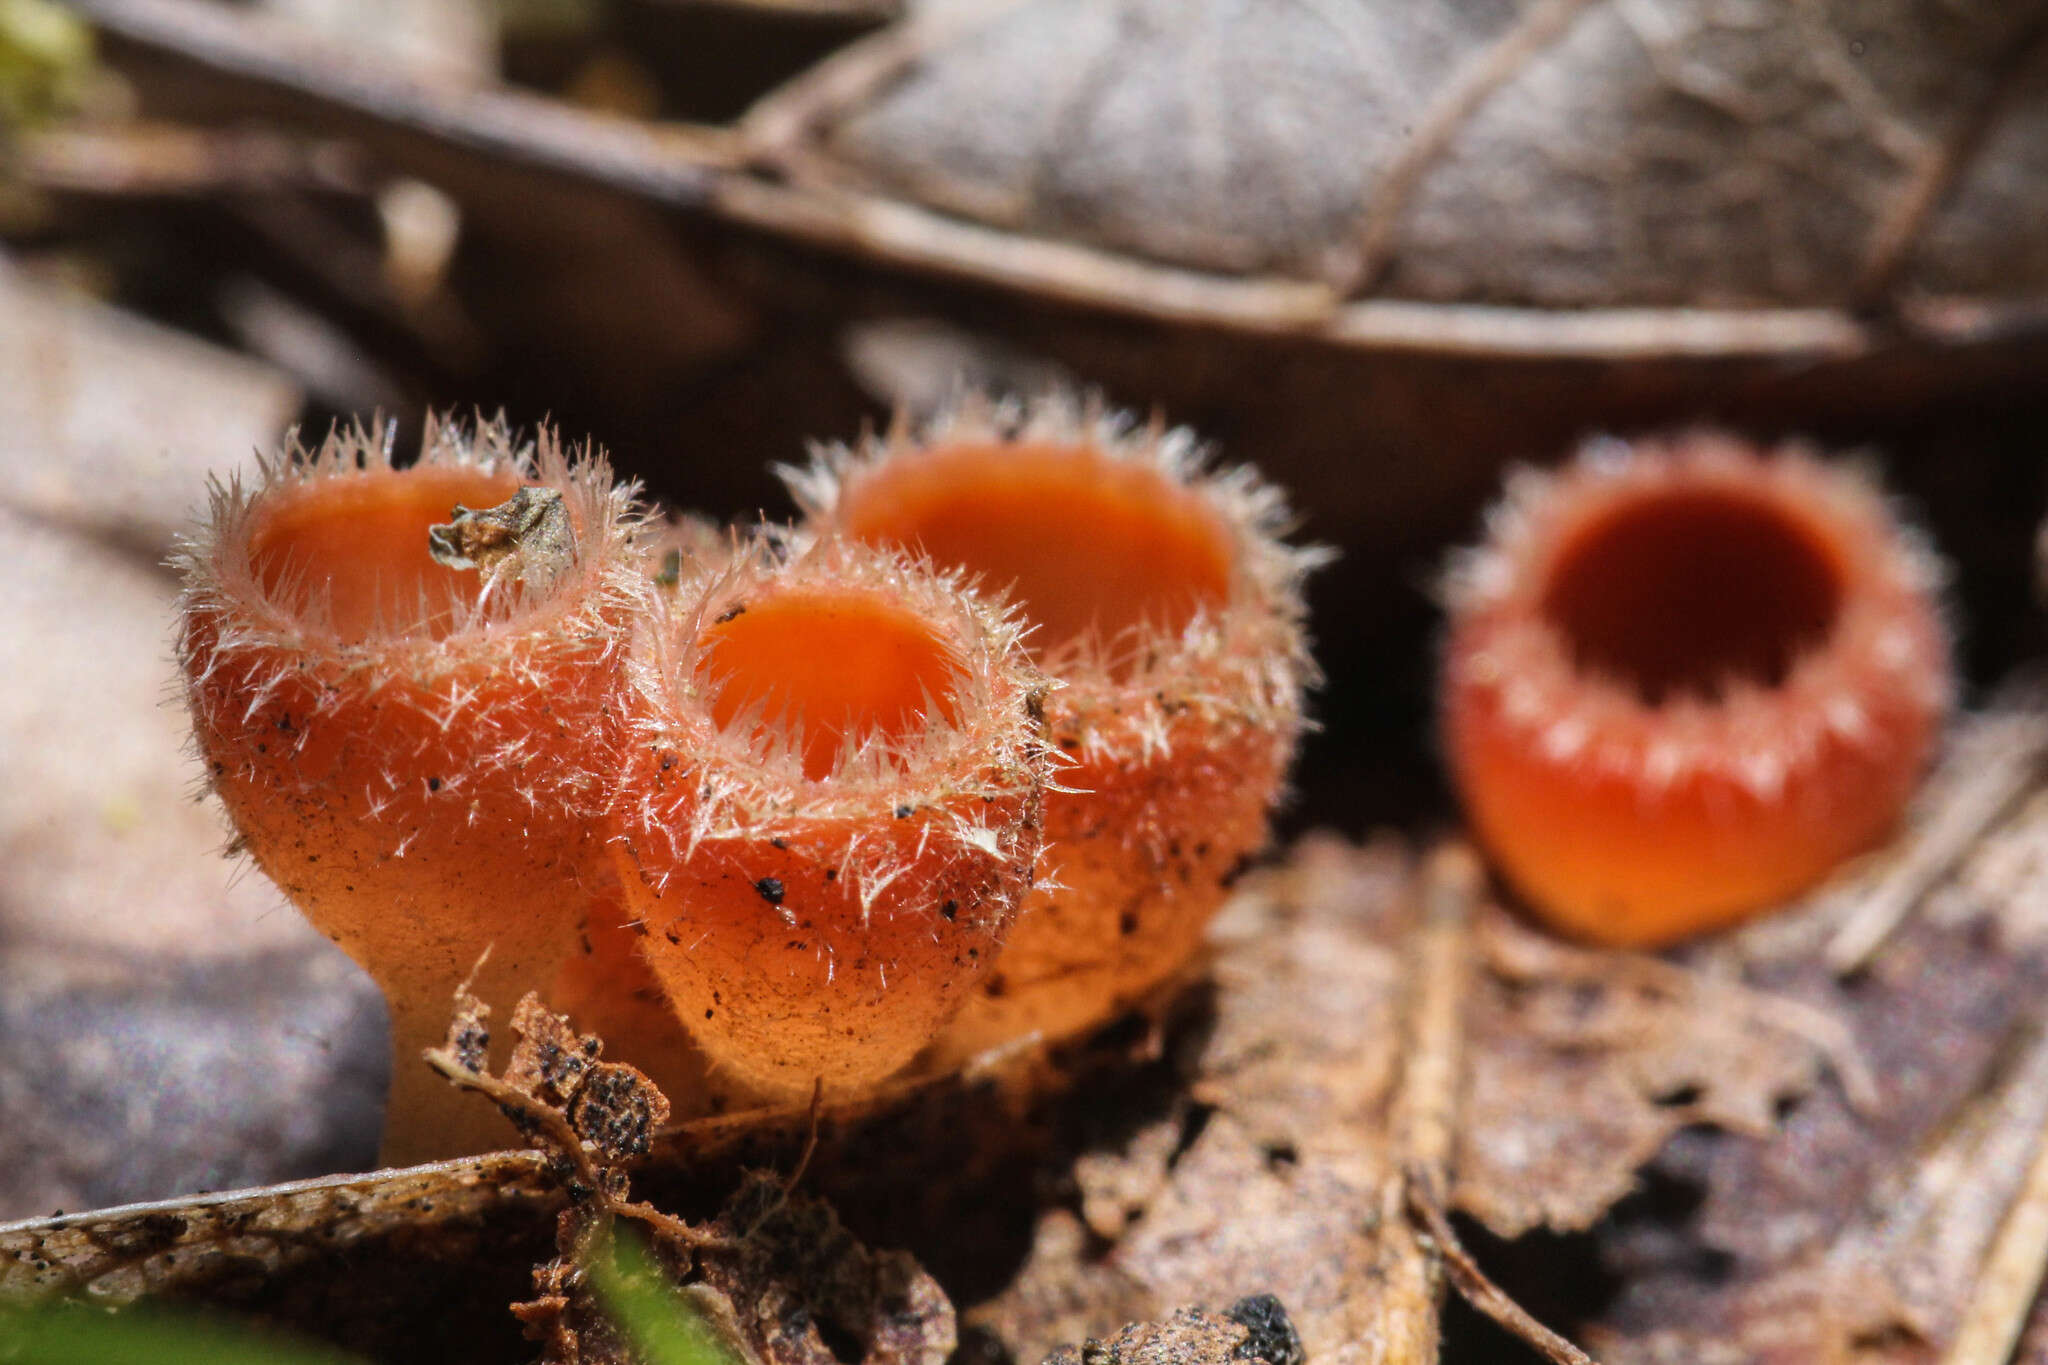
(1554, 153)
(398, 1265)
(1560, 152)
(666, 278)
(1641, 1046)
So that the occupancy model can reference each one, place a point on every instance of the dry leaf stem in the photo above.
(1425, 1128)
(1425, 1107)
(2003, 1298)
(556, 1134)
(1425, 1117)
(1946, 1230)
(2005, 771)
(1486, 1296)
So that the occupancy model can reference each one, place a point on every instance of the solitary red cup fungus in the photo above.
(406, 708)
(1684, 680)
(1169, 614)
(828, 809)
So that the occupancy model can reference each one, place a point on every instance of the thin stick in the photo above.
(1426, 1118)
(560, 1137)
(1486, 1296)
(2009, 1280)
(1426, 1114)
(2006, 773)
(1425, 1109)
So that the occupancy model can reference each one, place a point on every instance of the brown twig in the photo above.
(1425, 1107)
(1426, 1117)
(162, 160)
(667, 162)
(2002, 1300)
(558, 1135)
(1425, 1122)
(1482, 1293)
(2007, 769)
(549, 1123)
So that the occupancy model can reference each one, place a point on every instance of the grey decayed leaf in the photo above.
(1561, 153)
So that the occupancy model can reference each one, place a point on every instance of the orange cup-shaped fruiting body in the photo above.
(1684, 681)
(829, 809)
(1170, 615)
(416, 752)
(607, 988)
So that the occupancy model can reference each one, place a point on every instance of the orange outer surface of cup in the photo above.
(1603, 861)
(419, 799)
(816, 914)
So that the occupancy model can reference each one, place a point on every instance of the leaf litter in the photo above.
(1851, 1143)
(1376, 1052)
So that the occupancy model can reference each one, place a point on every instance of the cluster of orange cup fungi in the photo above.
(1683, 681)
(971, 753)
(776, 801)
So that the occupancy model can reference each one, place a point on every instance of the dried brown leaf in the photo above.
(111, 425)
(1324, 1091)
(1188, 1337)
(590, 1115)
(399, 1265)
(1277, 1145)
(795, 1275)
(1864, 1236)
(1588, 1062)
(1561, 152)
(165, 1023)
(1268, 1173)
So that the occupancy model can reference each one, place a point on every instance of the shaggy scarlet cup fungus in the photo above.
(608, 988)
(1683, 681)
(1170, 614)
(829, 808)
(409, 722)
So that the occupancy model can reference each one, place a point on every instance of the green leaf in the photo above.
(660, 1323)
(75, 1334)
(45, 51)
